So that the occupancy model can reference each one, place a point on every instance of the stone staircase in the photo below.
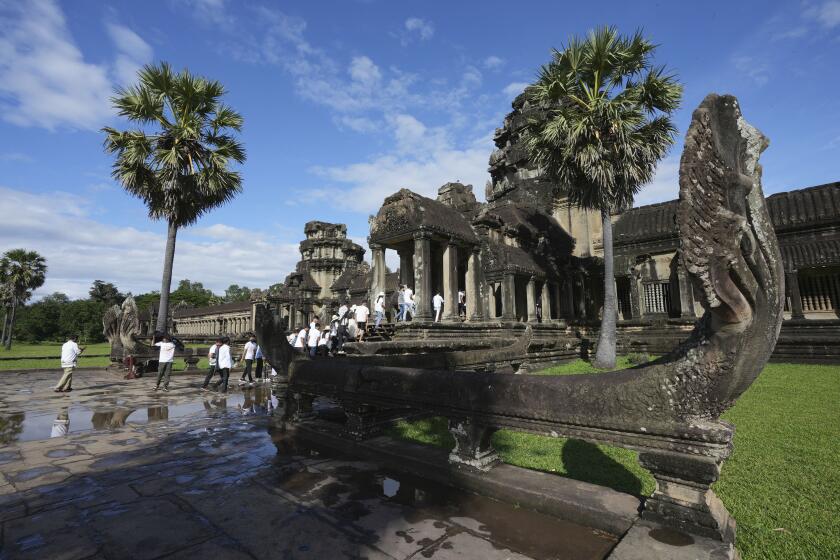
(383, 333)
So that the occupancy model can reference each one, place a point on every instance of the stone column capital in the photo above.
(422, 235)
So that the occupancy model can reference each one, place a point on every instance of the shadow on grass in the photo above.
(586, 462)
(570, 458)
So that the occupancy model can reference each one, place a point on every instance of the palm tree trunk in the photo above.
(11, 326)
(5, 324)
(166, 283)
(605, 354)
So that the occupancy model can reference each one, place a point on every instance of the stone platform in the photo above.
(188, 474)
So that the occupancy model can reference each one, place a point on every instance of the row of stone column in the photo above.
(236, 325)
(416, 270)
(532, 294)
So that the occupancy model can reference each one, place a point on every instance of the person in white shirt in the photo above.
(312, 340)
(248, 355)
(379, 309)
(462, 303)
(300, 340)
(361, 313)
(211, 357)
(167, 356)
(437, 304)
(408, 296)
(70, 352)
(224, 361)
(61, 425)
(324, 343)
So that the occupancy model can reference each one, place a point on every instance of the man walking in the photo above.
(401, 303)
(462, 304)
(258, 355)
(362, 313)
(167, 356)
(249, 352)
(437, 304)
(408, 298)
(312, 339)
(301, 339)
(70, 352)
(379, 309)
(224, 362)
(211, 357)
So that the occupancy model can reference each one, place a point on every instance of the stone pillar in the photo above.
(423, 275)
(531, 297)
(292, 317)
(406, 268)
(450, 282)
(792, 282)
(569, 297)
(378, 276)
(580, 301)
(473, 445)
(474, 296)
(686, 293)
(558, 302)
(545, 299)
(509, 297)
(636, 306)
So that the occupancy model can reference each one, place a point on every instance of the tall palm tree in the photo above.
(608, 124)
(178, 161)
(21, 271)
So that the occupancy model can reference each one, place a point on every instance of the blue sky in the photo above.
(346, 102)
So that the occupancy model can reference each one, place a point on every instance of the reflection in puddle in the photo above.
(110, 413)
(390, 487)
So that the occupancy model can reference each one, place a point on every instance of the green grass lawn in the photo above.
(782, 482)
(21, 349)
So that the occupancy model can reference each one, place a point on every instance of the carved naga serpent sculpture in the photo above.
(670, 408)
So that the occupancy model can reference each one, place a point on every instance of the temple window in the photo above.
(657, 297)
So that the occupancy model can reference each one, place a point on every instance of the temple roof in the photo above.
(647, 223)
(803, 208)
(407, 212)
(213, 309)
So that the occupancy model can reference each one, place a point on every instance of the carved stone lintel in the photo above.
(473, 445)
(683, 498)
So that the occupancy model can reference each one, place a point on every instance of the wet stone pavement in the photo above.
(115, 470)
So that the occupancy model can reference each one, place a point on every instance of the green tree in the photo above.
(39, 321)
(178, 161)
(235, 293)
(84, 318)
(607, 125)
(21, 271)
(193, 294)
(105, 292)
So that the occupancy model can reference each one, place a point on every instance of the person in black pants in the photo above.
(211, 356)
(224, 361)
(249, 352)
(259, 357)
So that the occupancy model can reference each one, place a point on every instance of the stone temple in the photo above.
(528, 256)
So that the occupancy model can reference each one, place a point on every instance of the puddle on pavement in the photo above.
(345, 486)
(106, 412)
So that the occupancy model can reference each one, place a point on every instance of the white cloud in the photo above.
(424, 159)
(826, 13)
(44, 78)
(423, 28)
(665, 184)
(364, 71)
(515, 88)
(16, 157)
(133, 52)
(755, 69)
(493, 62)
(357, 124)
(80, 249)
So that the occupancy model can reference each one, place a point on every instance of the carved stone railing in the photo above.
(667, 410)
